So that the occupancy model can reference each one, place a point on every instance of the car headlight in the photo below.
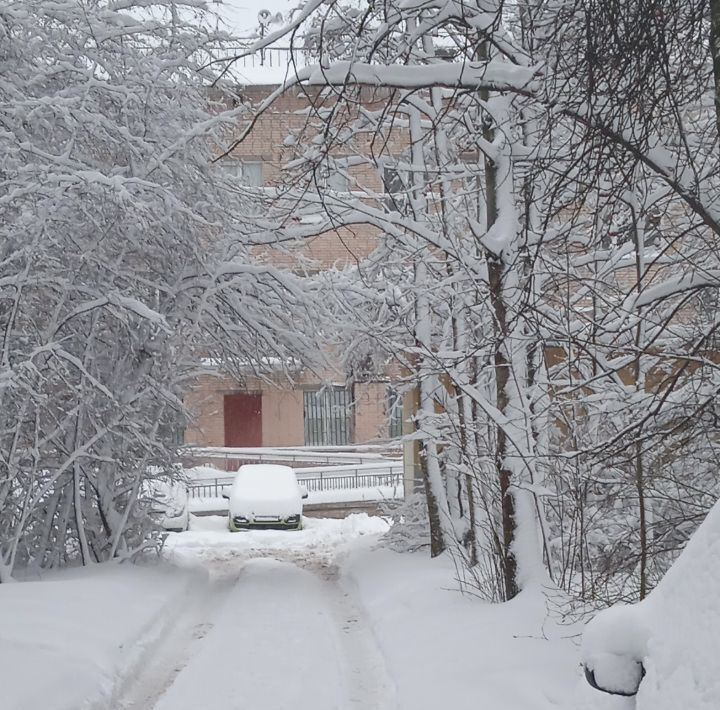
(175, 512)
(292, 519)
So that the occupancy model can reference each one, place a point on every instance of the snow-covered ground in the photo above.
(70, 641)
(317, 619)
(444, 650)
(321, 541)
(285, 638)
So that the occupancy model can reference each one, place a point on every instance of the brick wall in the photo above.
(282, 410)
(282, 405)
(371, 417)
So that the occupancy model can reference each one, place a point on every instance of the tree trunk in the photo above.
(501, 366)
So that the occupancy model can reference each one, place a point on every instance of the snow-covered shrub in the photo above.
(410, 530)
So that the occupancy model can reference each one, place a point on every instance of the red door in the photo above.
(243, 419)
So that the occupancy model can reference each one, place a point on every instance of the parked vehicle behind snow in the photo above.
(168, 502)
(664, 649)
(265, 496)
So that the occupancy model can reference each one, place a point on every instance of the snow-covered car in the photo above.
(265, 496)
(664, 649)
(168, 500)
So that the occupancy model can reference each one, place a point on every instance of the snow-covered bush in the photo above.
(410, 530)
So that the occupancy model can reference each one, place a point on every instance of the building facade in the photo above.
(314, 409)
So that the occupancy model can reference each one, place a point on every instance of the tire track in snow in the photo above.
(173, 650)
(367, 682)
(359, 667)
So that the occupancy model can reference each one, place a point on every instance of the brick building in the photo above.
(318, 409)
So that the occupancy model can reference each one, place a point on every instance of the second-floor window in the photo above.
(395, 189)
(247, 172)
(338, 182)
(330, 179)
(251, 173)
(394, 409)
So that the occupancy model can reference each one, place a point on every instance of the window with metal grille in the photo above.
(251, 173)
(330, 178)
(327, 416)
(337, 181)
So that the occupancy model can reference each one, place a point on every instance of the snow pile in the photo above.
(614, 646)
(322, 538)
(197, 473)
(674, 632)
(66, 642)
(444, 650)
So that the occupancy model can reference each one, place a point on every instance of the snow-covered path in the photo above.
(268, 632)
(320, 619)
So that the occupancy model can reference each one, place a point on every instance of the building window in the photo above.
(246, 172)
(394, 409)
(326, 178)
(171, 429)
(251, 173)
(337, 181)
(395, 189)
(625, 232)
(326, 413)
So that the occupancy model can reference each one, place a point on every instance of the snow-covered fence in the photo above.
(386, 475)
(233, 457)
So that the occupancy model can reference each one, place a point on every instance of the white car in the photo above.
(265, 496)
(664, 650)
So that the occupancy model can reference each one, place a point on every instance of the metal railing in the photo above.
(358, 478)
(234, 457)
(209, 487)
(273, 57)
(354, 481)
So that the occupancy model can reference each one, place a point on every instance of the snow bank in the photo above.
(323, 538)
(355, 495)
(67, 641)
(674, 632)
(448, 651)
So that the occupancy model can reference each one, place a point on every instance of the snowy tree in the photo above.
(422, 110)
(552, 199)
(125, 263)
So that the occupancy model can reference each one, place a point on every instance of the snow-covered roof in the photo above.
(246, 17)
(249, 21)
